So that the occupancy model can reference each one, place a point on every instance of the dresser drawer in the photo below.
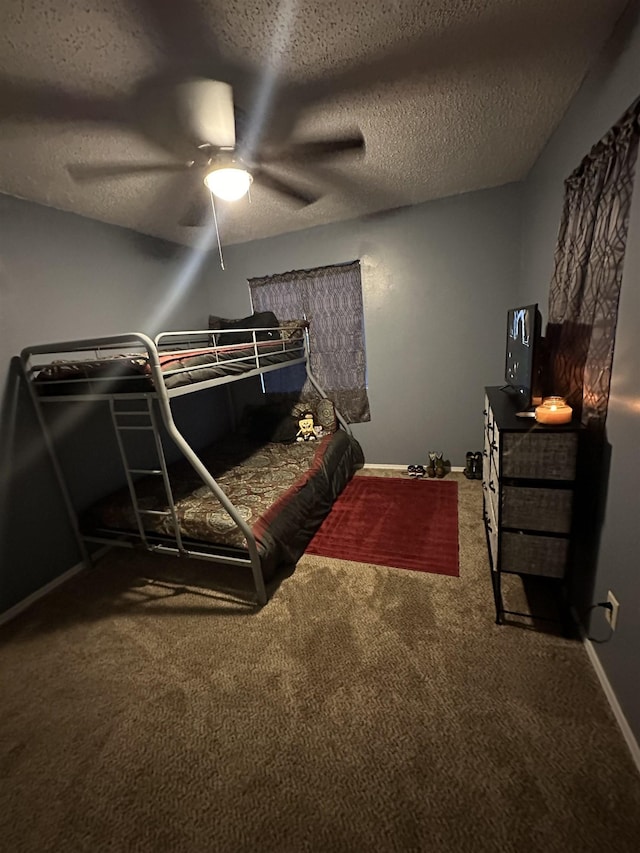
(533, 555)
(539, 456)
(537, 509)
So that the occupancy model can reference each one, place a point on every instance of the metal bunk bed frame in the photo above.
(252, 364)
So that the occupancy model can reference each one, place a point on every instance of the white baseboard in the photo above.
(454, 468)
(618, 713)
(18, 608)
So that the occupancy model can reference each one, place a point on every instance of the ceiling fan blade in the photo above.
(206, 107)
(301, 152)
(193, 199)
(188, 39)
(89, 172)
(474, 41)
(198, 211)
(25, 101)
(399, 63)
(300, 196)
(182, 29)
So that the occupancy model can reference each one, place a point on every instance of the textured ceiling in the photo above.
(450, 96)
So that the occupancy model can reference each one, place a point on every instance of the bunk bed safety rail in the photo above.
(133, 362)
(94, 346)
(53, 356)
(256, 346)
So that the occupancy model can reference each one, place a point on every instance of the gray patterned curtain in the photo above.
(330, 298)
(585, 289)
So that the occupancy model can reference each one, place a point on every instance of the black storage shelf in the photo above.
(529, 472)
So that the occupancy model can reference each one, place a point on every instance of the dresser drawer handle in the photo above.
(492, 485)
(494, 446)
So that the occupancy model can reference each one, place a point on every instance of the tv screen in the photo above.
(523, 332)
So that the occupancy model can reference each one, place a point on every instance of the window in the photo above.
(330, 298)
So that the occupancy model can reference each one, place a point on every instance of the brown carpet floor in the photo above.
(363, 709)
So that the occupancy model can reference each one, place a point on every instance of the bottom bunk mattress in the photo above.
(282, 491)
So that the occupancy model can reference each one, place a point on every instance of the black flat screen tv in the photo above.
(521, 360)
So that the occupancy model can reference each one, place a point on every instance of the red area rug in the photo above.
(389, 521)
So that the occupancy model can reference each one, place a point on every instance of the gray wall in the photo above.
(437, 281)
(611, 87)
(63, 277)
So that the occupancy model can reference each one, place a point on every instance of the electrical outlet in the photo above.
(612, 615)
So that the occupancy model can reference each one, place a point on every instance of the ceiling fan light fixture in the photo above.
(229, 183)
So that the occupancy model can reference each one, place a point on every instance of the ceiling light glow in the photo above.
(229, 184)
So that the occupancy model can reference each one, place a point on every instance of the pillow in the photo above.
(326, 415)
(324, 412)
(259, 320)
(292, 329)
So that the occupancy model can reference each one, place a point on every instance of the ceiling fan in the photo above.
(227, 167)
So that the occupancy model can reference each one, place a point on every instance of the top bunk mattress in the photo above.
(132, 373)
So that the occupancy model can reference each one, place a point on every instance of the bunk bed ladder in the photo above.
(146, 422)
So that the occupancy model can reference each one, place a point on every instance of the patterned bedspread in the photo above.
(283, 492)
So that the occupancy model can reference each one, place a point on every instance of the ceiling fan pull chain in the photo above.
(215, 219)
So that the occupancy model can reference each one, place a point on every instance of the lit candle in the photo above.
(554, 410)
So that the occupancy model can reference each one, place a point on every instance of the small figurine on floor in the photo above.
(306, 431)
